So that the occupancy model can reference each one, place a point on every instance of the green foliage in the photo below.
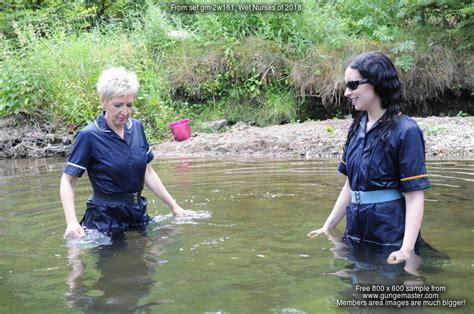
(273, 106)
(462, 114)
(16, 92)
(403, 54)
(432, 130)
(245, 66)
(280, 107)
(45, 15)
(447, 13)
(330, 130)
(61, 88)
(338, 115)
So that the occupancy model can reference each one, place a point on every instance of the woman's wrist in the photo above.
(329, 224)
(174, 206)
(406, 251)
(71, 220)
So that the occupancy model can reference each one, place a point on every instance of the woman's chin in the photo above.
(359, 108)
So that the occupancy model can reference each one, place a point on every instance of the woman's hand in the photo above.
(412, 261)
(315, 233)
(337, 213)
(180, 212)
(74, 230)
(399, 256)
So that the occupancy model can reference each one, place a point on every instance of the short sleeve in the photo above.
(149, 154)
(413, 174)
(80, 156)
(342, 164)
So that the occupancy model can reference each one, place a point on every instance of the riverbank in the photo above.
(21, 140)
(445, 137)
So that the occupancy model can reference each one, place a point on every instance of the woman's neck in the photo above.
(119, 130)
(375, 114)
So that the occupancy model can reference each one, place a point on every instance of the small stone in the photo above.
(215, 125)
(239, 126)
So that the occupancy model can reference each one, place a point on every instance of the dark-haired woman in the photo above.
(384, 162)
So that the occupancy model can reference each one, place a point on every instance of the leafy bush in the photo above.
(256, 67)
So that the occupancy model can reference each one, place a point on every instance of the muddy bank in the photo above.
(445, 137)
(21, 140)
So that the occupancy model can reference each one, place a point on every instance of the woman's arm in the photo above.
(413, 218)
(153, 182)
(337, 212)
(66, 191)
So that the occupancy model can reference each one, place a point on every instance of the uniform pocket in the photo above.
(139, 152)
(386, 223)
(140, 158)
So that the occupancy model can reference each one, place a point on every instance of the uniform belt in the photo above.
(379, 196)
(122, 198)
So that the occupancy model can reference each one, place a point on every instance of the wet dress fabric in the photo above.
(385, 157)
(115, 166)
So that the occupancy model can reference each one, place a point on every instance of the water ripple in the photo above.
(92, 239)
(187, 220)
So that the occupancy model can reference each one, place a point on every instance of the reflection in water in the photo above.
(369, 265)
(125, 276)
(182, 171)
(126, 264)
(245, 251)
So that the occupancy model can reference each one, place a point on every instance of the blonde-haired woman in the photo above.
(115, 152)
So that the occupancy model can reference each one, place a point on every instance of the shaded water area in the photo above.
(244, 251)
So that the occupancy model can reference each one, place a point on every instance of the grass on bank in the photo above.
(262, 68)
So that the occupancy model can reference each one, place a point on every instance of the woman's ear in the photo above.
(102, 101)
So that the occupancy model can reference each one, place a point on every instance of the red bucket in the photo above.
(181, 130)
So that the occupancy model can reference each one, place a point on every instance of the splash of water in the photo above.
(92, 238)
(195, 214)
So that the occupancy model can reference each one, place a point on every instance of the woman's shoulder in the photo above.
(406, 123)
(89, 129)
(135, 123)
(407, 127)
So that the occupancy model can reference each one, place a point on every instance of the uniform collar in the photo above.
(365, 119)
(102, 125)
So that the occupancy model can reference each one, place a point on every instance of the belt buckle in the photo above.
(135, 198)
(357, 197)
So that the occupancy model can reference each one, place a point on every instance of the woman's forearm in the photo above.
(153, 182)
(413, 218)
(339, 209)
(66, 191)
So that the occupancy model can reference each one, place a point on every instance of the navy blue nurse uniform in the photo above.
(383, 159)
(116, 169)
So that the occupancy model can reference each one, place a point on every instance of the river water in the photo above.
(243, 251)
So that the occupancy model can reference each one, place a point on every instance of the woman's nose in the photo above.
(347, 92)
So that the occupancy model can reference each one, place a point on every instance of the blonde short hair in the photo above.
(117, 82)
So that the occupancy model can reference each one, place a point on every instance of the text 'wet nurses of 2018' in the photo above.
(240, 7)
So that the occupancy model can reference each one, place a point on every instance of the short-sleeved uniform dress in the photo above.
(116, 169)
(379, 160)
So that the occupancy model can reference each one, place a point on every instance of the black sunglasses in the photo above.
(353, 85)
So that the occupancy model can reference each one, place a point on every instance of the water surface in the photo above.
(245, 249)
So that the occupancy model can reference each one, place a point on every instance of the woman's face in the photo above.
(118, 109)
(363, 98)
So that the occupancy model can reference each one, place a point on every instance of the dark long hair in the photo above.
(379, 70)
